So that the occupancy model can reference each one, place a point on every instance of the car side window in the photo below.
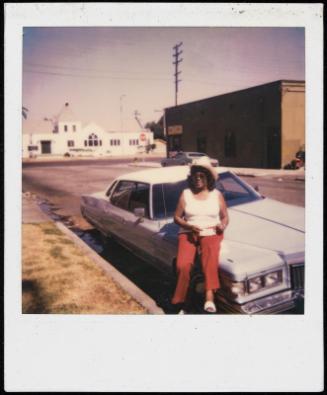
(165, 198)
(140, 198)
(111, 188)
(121, 195)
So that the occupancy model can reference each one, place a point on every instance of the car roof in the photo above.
(162, 174)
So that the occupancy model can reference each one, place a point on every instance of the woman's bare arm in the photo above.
(224, 219)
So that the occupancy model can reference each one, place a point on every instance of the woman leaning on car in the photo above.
(202, 216)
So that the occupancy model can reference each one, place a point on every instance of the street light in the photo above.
(121, 112)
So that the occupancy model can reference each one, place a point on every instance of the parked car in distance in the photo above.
(262, 255)
(185, 158)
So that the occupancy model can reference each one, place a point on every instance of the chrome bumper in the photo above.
(272, 304)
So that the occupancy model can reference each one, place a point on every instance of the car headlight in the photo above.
(254, 284)
(274, 278)
(265, 281)
(234, 288)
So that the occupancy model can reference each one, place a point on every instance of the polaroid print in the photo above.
(143, 154)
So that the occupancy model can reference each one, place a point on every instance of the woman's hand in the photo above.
(220, 228)
(195, 229)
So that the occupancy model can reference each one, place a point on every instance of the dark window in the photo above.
(235, 191)
(65, 128)
(92, 140)
(201, 144)
(70, 143)
(33, 148)
(122, 193)
(129, 195)
(140, 198)
(230, 145)
(100, 142)
(74, 128)
(165, 198)
(85, 143)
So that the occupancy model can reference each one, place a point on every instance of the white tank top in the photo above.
(202, 213)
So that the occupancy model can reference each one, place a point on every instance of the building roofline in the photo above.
(240, 90)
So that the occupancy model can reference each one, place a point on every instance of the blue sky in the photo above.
(93, 67)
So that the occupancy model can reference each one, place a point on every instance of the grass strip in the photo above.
(57, 278)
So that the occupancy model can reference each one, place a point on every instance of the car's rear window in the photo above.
(234, 190)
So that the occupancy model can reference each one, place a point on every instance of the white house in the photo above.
(66, 136)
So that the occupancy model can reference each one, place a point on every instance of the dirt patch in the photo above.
(58, 279)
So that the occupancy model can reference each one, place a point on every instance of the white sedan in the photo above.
(262, 255)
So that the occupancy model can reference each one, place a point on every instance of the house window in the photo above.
(114, 142)
(133, 142)
(65, 128)
(70, 143)
(74, 128)
(85, 143)
(92, 140)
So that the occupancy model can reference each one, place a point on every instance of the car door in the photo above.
(165, 198)
(115, 208)
(130, 230)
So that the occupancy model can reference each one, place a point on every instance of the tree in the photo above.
(156, 128)
(24, 112)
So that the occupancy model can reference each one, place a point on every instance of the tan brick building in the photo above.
(262, 126)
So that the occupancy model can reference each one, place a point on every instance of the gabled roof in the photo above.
(66, 114)
(30, 126)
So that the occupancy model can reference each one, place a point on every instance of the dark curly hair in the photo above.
(211, 184)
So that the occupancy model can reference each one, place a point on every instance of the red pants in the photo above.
(210, 247)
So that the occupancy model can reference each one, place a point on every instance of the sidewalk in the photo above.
(91, 284)
(242, 171)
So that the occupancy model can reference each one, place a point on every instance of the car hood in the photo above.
(267, 224)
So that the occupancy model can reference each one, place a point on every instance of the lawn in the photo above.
(58, 278)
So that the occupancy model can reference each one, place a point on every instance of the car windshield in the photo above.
(234, 190)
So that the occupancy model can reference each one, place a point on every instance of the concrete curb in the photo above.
(141, 297)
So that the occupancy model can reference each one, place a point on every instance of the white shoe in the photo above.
(210, 307)
(182, 312)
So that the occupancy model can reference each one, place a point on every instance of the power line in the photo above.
(47, 66)
(94, 76)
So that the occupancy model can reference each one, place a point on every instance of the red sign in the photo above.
(142, 136)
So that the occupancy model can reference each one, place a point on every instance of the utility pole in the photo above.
(176, 62)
